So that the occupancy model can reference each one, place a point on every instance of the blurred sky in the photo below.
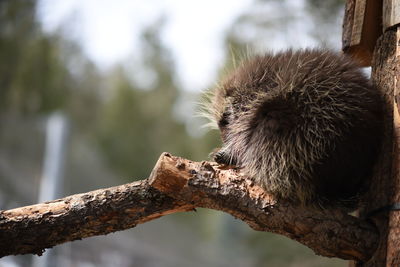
(109, 31)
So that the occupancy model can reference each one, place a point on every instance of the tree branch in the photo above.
(175, 185)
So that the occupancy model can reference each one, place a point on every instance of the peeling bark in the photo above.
(177, 185)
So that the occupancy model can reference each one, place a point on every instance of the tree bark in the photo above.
(31, 229)
(385, 190)
(176, 185)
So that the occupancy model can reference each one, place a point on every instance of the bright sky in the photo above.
(109, 31)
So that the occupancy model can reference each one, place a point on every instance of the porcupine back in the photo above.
(305, 125)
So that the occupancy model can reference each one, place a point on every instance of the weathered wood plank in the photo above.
(391, 13)
(361, 28)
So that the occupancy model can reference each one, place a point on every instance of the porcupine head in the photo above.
(305, 125)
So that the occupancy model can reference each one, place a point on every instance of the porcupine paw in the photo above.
(222, 157)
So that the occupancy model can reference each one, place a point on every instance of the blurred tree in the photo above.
(327, 16)
(273, 24)
(40, 73)
(137, 124)
(32, 76)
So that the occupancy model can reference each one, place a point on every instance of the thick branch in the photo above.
(328, 233)
(31, 229)
(181, 185)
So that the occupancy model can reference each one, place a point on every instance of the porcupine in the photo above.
(305, 125)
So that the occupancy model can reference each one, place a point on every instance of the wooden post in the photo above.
(385, 188)
(391, 68)
(361, 28)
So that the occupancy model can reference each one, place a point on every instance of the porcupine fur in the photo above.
(305, 125)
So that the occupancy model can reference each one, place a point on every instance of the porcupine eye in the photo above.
(223, 122)
(223, 156)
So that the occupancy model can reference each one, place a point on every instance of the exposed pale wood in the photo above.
(348, 24)
(176, 185)
(361, 28)
(391, 13)
(358, 22)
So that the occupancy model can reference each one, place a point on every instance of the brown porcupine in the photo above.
(305, 125)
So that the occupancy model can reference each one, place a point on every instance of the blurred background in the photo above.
(92, 91)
